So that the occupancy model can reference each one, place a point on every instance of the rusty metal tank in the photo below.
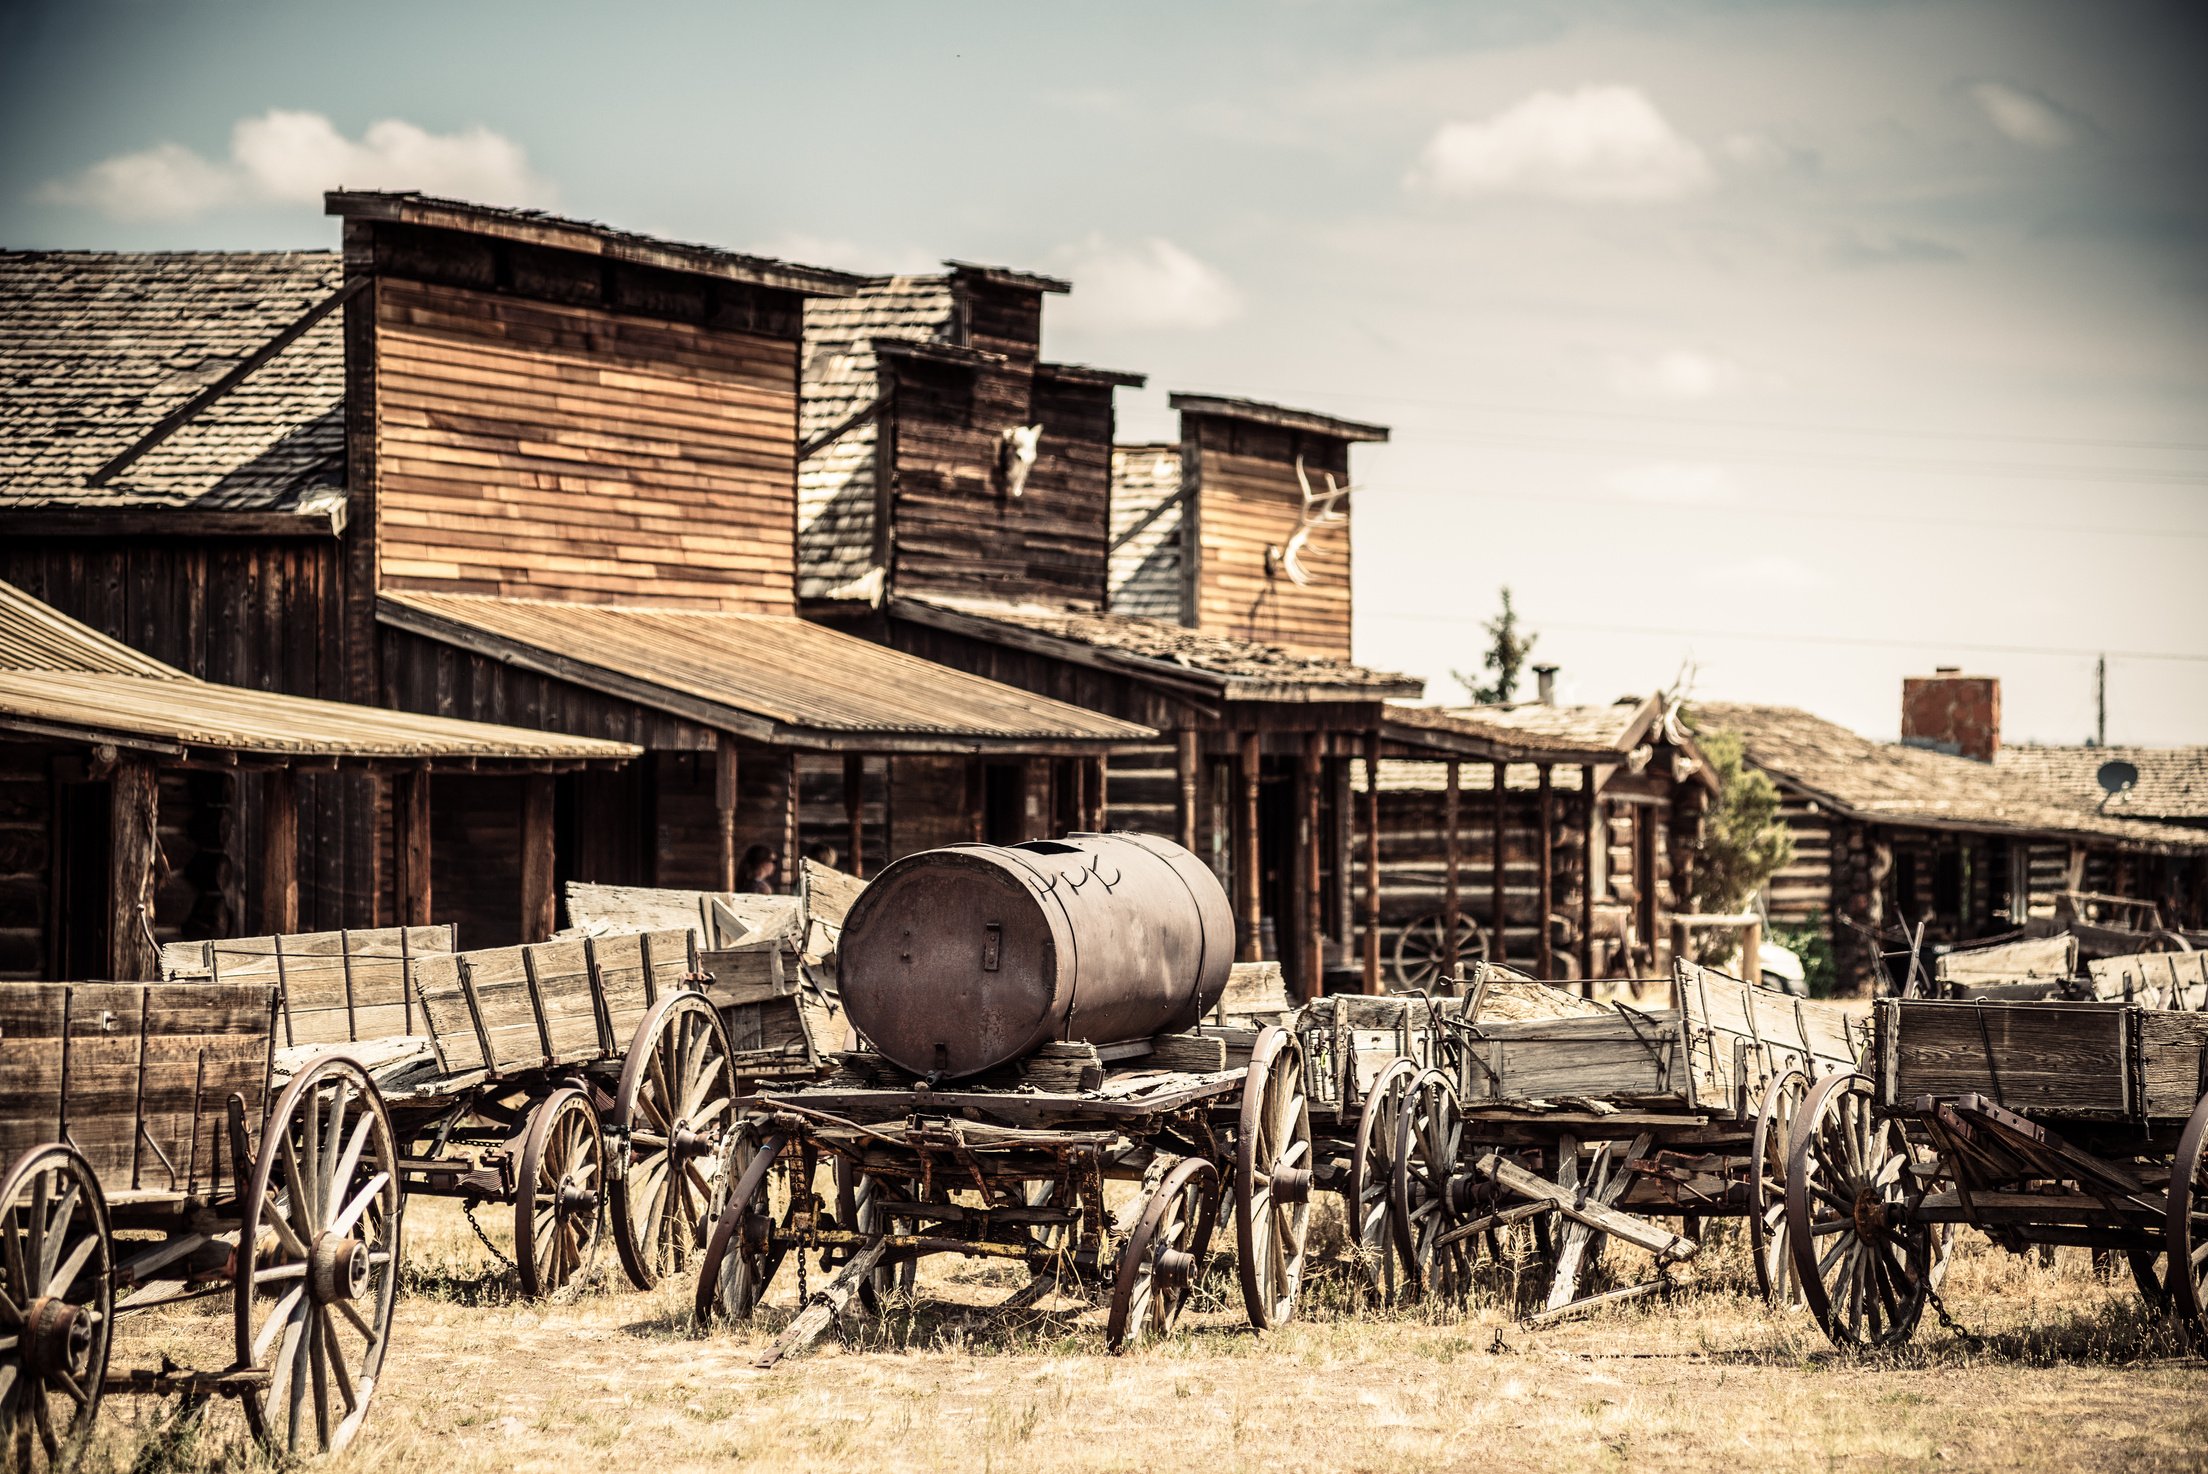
(956, 960)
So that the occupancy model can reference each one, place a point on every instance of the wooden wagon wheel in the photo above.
(317, 1262)
(58, 1309)
(2187, 1227)
(741, 1254)
(1422, 947)
(560, 1208)
(1428, 1136)
(1767, 1158)
(1862, 1268)
(677, 1090)
(1163, 1255)
(858, 1207)
(1370, 1191)
(1272, 1179)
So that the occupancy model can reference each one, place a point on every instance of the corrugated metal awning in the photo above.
(773, 678)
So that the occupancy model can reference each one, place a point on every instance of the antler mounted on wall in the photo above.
(1320, 509)
(1016, 457)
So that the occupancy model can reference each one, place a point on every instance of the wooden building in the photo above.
(1572, 865)
(1888, 836)
(121, 826)
(958, 503)
(496, 465)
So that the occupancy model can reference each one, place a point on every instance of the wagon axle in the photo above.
(57, 1338)
(337, 1269)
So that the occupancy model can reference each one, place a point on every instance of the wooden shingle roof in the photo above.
(2172, 786)
(1886, 782)
(96, 348)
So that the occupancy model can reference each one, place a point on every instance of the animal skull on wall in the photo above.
(1016, 457)
(1320, 509)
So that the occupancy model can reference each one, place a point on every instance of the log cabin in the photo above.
(1912, 846)
(497, 465)
(920, 528)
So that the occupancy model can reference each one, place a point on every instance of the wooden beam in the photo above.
(1591, 817)
(1248, 887)
(1100, 771)
(791, 822)
(1190, 766)
(539, 892)
(726, 793)
(1311, 948)
(977, 800)
(1452, 904)
(854, 814)
(133, 850)
(1547, 870)
(1372, 862)
(410, 844)
(1498, 947)
(279, 858)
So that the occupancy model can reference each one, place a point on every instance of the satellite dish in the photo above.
(2117, 776)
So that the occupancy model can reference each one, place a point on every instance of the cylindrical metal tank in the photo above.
(956, 960)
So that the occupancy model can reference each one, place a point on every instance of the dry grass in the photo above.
(2074, 1376)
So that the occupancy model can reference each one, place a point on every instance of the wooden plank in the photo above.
(1248, 884)
(2164, 980)
(1610, 1057)
(2173, 1062)
(2027, 957)
(539, 891)
(278, 860)
(1659, 1241)
(338, 987)
(133, 853)
(2034, 1058)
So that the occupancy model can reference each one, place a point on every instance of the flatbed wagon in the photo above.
(2040, 1123)
(149, 1158)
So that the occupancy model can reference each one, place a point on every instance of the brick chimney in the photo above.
(1948, 711)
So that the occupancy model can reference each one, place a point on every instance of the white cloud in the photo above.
(1673, 484)
(290, 157)
(2023, 116)
(1774, 570)
(1147, 284)
(1675, 373)
(1596, 143)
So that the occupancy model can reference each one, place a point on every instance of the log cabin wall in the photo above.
(550, 424)
(1247, 500)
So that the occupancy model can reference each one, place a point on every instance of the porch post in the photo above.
(279, 877)
(1547, 869)
(1191, 767)
(854, 814)
(1587, 881)
(790, 823)
(1310, 950)
(134, 849)
(1372, 862)
(725, 794)
(1498, 947)
(539, 892)
(410, 844)
(1451, 902)
(1249, 891)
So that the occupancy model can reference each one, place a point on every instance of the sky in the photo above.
(1783, 348)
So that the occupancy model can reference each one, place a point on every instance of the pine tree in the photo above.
(1505, 658)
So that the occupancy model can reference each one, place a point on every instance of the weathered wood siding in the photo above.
(1801, 892)
(1248, 500)
(534, 449)
(26, 859)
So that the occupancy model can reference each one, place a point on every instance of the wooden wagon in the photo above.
(2041, 1123)
(1012, 1164)
(585, 1082)
(151, 1159)
(1592, 1127)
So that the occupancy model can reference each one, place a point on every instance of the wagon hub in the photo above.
(685, 1143)
(57, 1337)
(758, 1232)
(1872, 1223)
(577, 1200)
(1292, 1185)
(337, 1269)
(1175, 1267)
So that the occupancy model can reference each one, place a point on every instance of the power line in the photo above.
(1780, 639)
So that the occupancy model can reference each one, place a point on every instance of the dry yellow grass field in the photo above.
(2073, 1375)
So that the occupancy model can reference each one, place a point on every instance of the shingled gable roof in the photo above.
(60, 678)
(2172, 786)
(1311, 422)
(97, 348)
(1886, 782)
(845, 340)
(1160, 652)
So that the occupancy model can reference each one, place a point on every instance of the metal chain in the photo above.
(467, 1206)
(1970, 1339)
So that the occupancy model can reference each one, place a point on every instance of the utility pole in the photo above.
(2100, 702)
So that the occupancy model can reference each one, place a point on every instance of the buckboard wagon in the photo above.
(152, 1159)
(2040, 1123)
(1012, 1164)
(1592, 1127)
(585, 1082)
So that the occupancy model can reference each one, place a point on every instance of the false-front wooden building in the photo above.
(497, 465)
(122, 785)
(958, 503)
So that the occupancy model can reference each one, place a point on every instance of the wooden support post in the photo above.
(1077, 782)
(1751, 951)
(726, 792)
(1547, 870)
(1452, 901)
(133, 851)
(1498, 947)
(1099, 801)
(1372, 862)
(279, 859)
(1591, 815)
(787, 880)
(854, 815)
(1310, 950)
(1248, 889)
(410, 844)
(977, 800)
(1191, 773)
(539, 892)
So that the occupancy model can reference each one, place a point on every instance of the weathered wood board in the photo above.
(719, 918)
(2041, 1058)
(1255, 991)
(2173, 1062)
(1350, 1038)
(2154, 979)
(1739, 1036)
(1621, 1057)
(338, 987)
(2011, 962)
(509, 1010)
(136, 1075)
